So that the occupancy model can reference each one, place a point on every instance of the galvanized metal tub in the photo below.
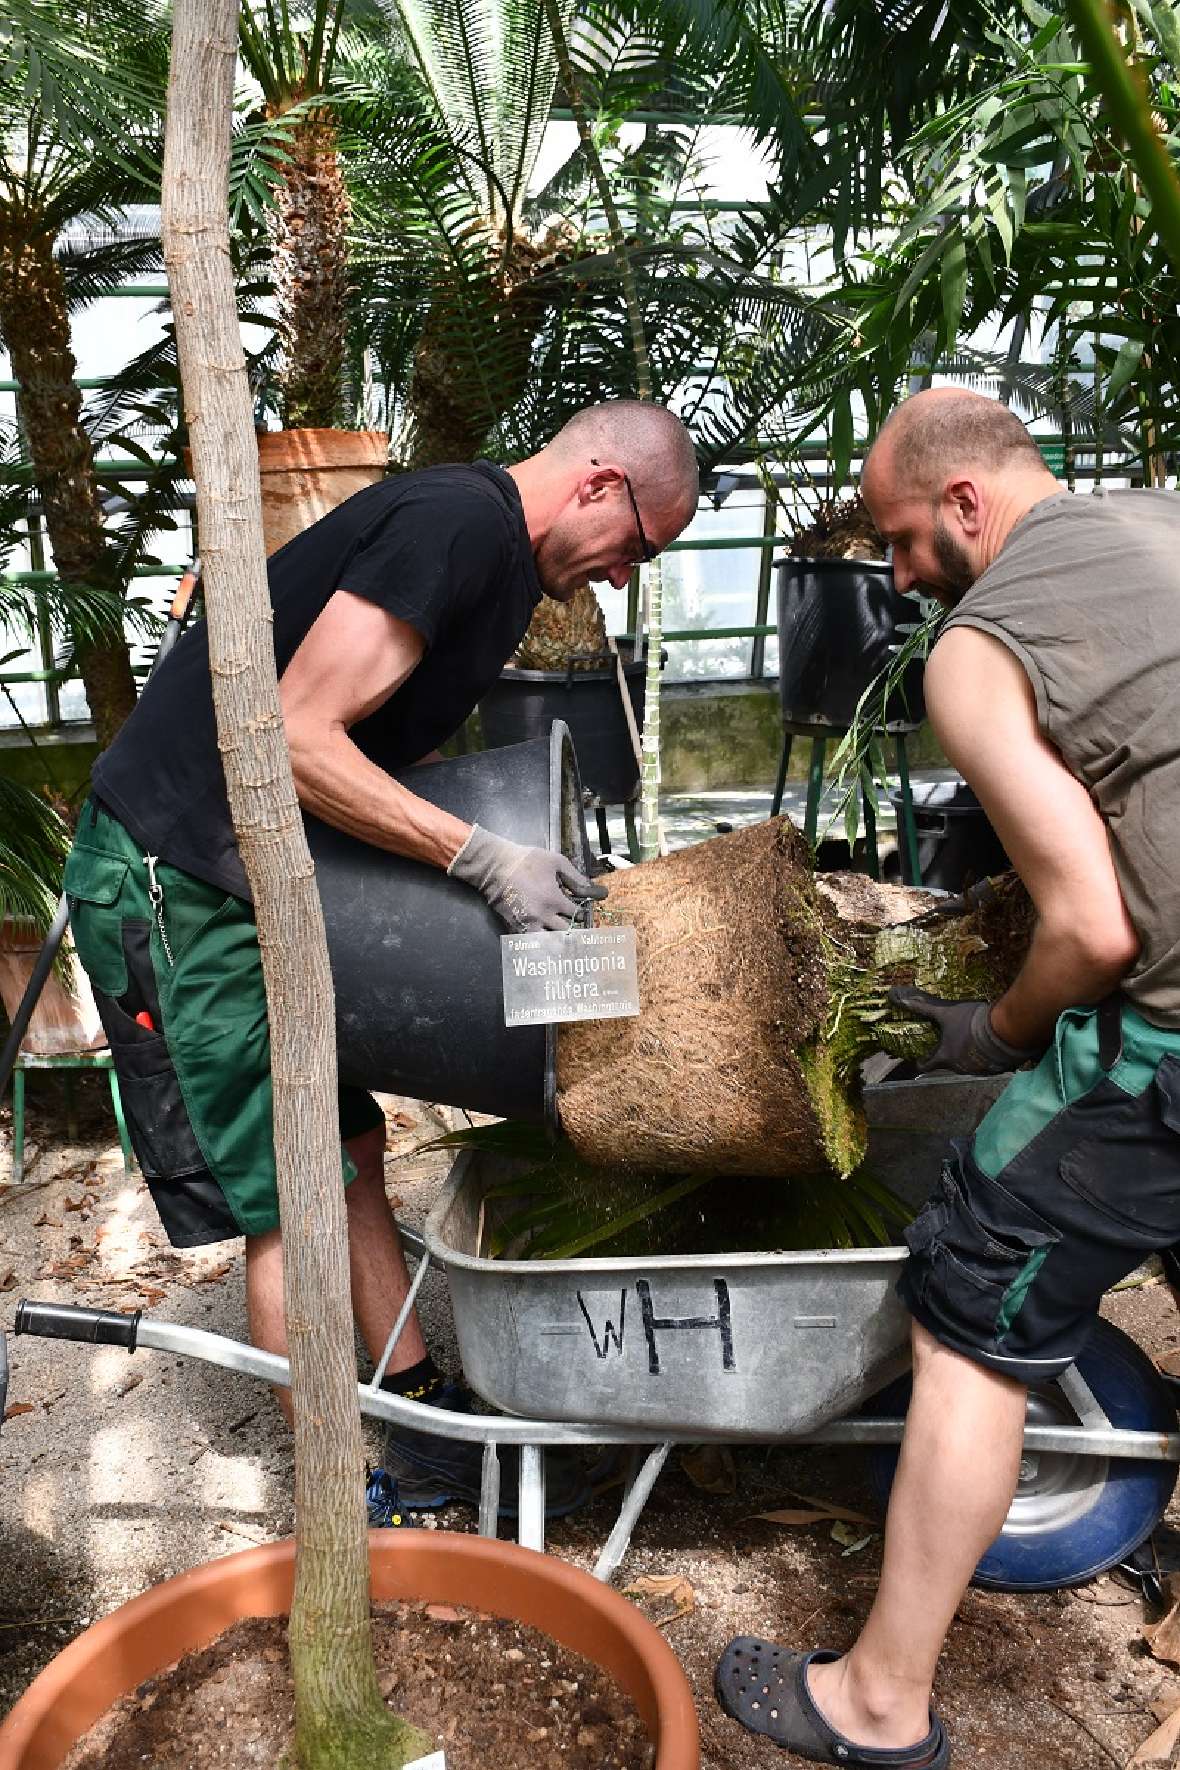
(742, 1346)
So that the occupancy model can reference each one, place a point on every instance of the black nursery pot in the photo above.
(524, 703)
(956, 843)
(839, 623)
(416, 955)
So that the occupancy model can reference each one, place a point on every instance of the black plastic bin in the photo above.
(956, 843)
(839, 623)
(416, 956)
(524, 703)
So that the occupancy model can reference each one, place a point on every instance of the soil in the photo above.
(484, 1690)
(116, 1472)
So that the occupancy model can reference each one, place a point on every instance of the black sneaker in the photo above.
(432, 1471)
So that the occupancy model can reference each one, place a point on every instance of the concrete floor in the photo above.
(695, 817)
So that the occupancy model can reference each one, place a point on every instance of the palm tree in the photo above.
(295, 61)
(74, 151)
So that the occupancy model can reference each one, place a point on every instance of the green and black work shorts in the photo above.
(1071, 1179)
(195, 1079)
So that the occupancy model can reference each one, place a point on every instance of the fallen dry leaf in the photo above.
(215, 1273)
(816, 1512)
(1163, 1638)
(67, 1268)
(671, 1588)
(45, 1221)
(710, 1468)
(403, 1121)
(8, 1279)
(443, 1613)
(1159, 1747)
(16, 1408)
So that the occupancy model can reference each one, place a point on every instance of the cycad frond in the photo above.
(489, 71)
(96, 270)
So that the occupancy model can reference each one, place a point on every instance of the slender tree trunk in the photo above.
(340, 1719)
(35, 325)
(311, 276)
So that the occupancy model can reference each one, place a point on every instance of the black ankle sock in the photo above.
(419, 1383)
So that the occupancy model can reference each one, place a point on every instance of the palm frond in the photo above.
(34, 842)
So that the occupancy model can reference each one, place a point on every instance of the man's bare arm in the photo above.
(981, 705)
(353, 657)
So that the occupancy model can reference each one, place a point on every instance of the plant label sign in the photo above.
(436, 1761)
(574, 974)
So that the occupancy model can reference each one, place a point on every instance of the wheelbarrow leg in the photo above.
(638, 1495)
(530, 1523)
(489, 1489)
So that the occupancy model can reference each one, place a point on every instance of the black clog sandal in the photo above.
(765, 1688)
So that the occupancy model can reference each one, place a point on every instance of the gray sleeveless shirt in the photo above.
(1086, 593)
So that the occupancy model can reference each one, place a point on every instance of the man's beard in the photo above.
(953, 562)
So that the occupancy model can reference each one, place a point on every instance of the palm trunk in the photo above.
(448, 423)
(34, 322)
(311, 277)
(340, 1717)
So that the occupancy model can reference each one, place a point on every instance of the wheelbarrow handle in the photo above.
(66, 1321)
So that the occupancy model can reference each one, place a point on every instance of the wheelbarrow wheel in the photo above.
(1073, 1516)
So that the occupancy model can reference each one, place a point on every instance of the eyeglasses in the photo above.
(646, 551)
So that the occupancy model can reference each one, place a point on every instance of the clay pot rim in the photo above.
(281, 451)
(48, 1718)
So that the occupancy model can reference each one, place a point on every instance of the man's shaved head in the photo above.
(648, 441)
(947, 428)
(946, 482)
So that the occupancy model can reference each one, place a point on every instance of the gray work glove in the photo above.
(976, 897)
(968, 1043)
(528, 888)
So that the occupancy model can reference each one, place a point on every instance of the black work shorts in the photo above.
(1071, 1180)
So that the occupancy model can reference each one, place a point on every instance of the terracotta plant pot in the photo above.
(185, 1614)
(65, 1018)
(306, 473)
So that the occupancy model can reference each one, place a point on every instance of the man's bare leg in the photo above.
(960, 1460)
(377, 1261)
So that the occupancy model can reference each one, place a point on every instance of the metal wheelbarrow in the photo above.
(802, 1348)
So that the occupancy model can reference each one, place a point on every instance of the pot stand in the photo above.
(820, 733)
(65, 1061)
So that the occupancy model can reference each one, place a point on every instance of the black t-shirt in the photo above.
(445, 550)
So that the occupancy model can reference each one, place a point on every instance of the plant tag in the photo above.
(436, 1761)
(573, 974)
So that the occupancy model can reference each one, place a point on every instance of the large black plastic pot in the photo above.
(956, 843)
(524, 703)
(416, 955)
(838, 626)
